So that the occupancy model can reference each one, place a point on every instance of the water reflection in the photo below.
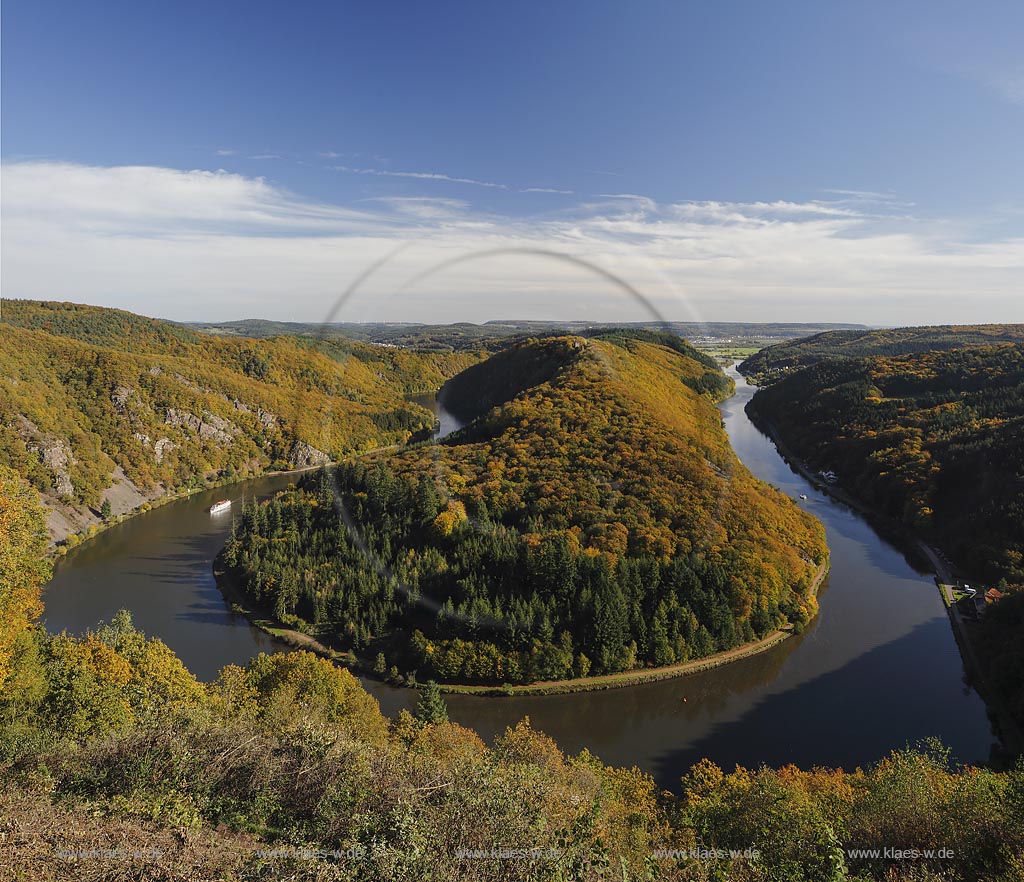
(446, 422)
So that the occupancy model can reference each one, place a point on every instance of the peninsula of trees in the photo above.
(591, 518)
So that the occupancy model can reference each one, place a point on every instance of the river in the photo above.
(877, 669)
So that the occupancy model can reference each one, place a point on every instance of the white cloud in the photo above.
(867, 195)
(427, 176)
(634, 196)
(423, 207)
(215, 245)
(136, 201)
(224, 151)
(642, 202)
(546, 190)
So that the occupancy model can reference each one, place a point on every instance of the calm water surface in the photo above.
(877, 669)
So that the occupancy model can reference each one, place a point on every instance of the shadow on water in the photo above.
(159, 566)
(778, 730)
(616, 716)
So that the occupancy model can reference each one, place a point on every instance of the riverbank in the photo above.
(262, 619)
(60, 547)
(1008, 727)
(240, 602)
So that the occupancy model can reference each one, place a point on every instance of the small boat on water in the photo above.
(218, 507)
(803, 495)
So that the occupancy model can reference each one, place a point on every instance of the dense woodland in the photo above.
(117, 764)
(935, 440)
(90, 397)
(774, 362)
(591, 519)
(1002, 647)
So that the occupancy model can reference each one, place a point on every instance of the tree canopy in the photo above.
(23, 564)
(776, 361)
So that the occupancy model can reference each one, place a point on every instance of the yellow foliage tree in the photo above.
(23, 564)
(446, 522)
(326, 695)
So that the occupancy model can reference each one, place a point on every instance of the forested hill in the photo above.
(524, 365)
(776, 361)
(405, 369)
(593, 518)
(507, 374)
(935, 439)
(99, 326)
(102, 405)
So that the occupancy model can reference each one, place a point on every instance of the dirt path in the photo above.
(263, 620)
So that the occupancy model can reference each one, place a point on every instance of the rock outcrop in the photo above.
(56, 456)
(54, 453)
(160, 448)
(208, 427)
(304, 455)
(120, 398)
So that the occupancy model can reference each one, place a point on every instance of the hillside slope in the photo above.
(99, 404)
(592, 517)
(935, 440)
(776, 361)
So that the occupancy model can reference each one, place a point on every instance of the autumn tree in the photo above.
(23, 563)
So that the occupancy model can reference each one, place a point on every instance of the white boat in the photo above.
(803, 495)
(218, 507)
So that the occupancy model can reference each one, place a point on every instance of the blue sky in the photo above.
(819, 161)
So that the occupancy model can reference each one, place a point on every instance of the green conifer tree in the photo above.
(431, 707)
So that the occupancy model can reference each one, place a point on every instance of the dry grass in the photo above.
(43, 842)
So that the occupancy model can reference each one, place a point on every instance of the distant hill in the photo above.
(99, 326)
(592, 516)
(99, 404)
(493, 335)
(776, 361)
(517, 368)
